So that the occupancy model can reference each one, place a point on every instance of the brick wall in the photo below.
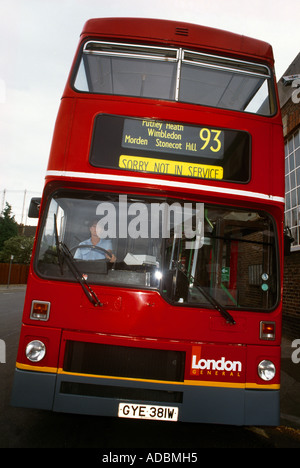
(291, 296)
(290, 117)
(290, 110)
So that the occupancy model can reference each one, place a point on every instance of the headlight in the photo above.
(266, 370)
(35, 351)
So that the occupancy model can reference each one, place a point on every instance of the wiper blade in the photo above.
(64, 253)
(90, 294)
(217, 305)
(59, 256)
(228, 317)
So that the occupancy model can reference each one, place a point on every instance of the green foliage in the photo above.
(8, 225)
(11, 244)
(18, 246)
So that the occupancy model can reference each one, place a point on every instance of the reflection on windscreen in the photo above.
(175, 74)
(180, 249)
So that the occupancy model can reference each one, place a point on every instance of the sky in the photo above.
(38, 40)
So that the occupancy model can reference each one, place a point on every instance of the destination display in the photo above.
(170, 148)
(179, 139)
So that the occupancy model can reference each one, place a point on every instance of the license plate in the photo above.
(158, 413)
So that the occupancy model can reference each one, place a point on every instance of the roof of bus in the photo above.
(177, 33)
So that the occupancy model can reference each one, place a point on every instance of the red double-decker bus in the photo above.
(156, 277)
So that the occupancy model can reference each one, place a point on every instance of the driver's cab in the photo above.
(190, 252)
(124, 254)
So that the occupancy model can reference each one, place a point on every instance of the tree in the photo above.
(18, 246)
(8, 225)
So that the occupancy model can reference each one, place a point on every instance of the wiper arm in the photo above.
(59, 256)
(90, 294)
(228, 317)
(64, 253)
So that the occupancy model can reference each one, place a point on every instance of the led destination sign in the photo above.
(171, 137)
(170, 148)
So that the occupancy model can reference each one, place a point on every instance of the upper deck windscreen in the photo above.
(175, 74)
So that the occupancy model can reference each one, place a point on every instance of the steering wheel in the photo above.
(92, 247)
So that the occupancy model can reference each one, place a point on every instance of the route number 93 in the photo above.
(212, 138)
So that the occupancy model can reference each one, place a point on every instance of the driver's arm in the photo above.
(113, 258)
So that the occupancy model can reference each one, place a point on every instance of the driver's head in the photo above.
(95, 227)
(93, 222)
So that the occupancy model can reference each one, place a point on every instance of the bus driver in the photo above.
(89, 253)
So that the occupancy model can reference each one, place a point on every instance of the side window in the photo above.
(54, 225)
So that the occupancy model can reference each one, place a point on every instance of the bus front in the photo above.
(155, 284)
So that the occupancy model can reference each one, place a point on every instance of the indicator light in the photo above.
(267, 330)
(40, 310)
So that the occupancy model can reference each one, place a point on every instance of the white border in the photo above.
(164, 183)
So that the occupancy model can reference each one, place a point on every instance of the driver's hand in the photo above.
(112, 259)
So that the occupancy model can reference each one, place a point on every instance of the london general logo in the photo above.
(220, 367)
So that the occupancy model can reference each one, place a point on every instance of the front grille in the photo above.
(121, 393)
(124, 361)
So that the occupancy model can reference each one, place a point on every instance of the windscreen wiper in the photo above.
(58, 251)
(64, 253)
(228, 317)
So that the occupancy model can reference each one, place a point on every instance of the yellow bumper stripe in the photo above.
(195, 383)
